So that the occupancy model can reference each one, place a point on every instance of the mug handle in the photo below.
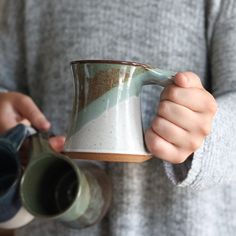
(41, 148)
(158, 77)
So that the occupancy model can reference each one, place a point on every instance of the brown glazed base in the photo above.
(112, 157)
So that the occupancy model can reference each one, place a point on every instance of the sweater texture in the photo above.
(38, 39)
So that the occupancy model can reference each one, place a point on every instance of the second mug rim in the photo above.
(108, 61)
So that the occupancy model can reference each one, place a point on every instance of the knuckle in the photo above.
(173, 93)
(205, 129)
(210, 103)
(204, 126)
(194, 144)
(213, 107)
(154, 147)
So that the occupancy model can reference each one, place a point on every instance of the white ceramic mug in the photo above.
(106, 121)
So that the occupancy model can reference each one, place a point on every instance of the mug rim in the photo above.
(108, 61)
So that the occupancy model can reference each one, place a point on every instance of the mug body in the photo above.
(43, 187)
(54, 187)
(12, 214)
(10, 174)
(106, 121)
(20, 219)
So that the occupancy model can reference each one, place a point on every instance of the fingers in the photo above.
(57, 143)
(185, 118)
(27, 109)
(8, 118)
(175, 134)
(195, 99)
(164, 150)
(18, 108)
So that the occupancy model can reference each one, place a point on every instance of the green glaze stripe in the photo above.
(105, 102)
(118, 94)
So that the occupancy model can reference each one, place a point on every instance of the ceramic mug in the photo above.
(55, 187)
(12, 214)
(106, 121)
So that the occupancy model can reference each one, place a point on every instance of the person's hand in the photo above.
(17, 108)
(183, 120)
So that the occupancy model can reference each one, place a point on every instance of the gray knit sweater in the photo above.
(38, 39)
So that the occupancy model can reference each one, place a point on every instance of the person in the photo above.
(188, 187)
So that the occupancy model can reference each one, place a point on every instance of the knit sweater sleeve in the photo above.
(12, 56)
(215, 161)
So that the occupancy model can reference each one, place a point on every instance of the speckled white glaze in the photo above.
(117, 130)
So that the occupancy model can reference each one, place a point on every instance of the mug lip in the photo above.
(108, 61)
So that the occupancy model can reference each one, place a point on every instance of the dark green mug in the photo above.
(55, 187)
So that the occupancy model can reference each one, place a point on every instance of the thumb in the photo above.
(187, 80)
(57, 143)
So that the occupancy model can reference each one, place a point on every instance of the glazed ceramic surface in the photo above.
(12, 214)
(56, 187)
(21, 218)
(106, 122)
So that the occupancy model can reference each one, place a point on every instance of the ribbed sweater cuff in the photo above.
(194, 172)
(214, 162)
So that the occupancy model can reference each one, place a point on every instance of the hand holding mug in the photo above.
(183, 120)
(18, 108)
